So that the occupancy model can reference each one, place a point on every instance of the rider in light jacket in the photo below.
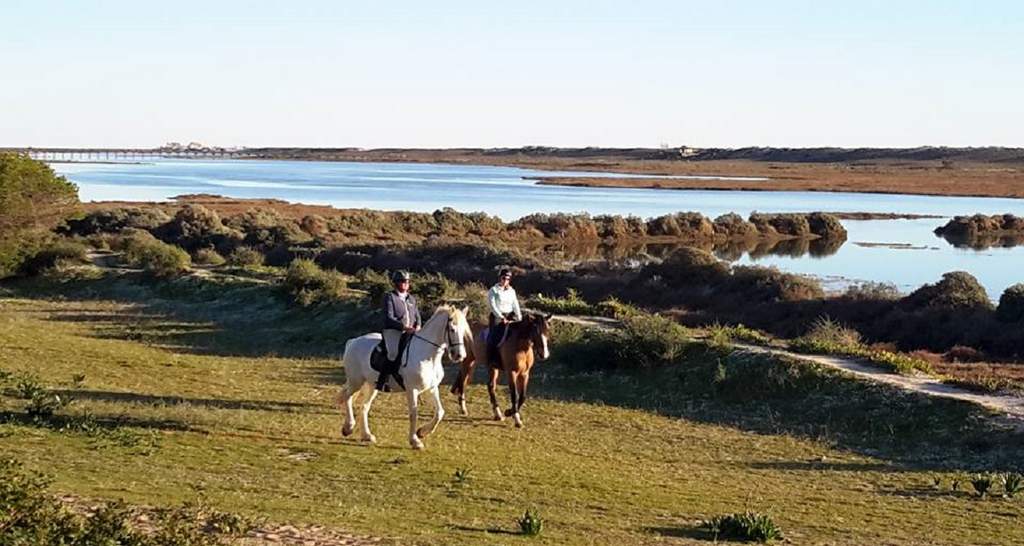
(504, 309)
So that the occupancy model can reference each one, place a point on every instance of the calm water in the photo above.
(508, 193)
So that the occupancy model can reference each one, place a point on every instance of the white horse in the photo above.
(421, 370)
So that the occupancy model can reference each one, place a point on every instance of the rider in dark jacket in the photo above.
(401, 320)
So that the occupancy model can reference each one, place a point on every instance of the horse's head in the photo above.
(539, 333)
(458, 333)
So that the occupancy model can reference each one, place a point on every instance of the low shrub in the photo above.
(374, 283)
(613, 308)
(208, 256)
(770, 284)
(956, 290)
(721, 335)
(308, 284)
(157, 258)
(245, 256)
(1013, 483)
(530, 524)
(571, 304)
(113, 221)
(746, 526)
(649, 341)
(791, 225)
(872, 291)
(689, 265)
(982, 484)
(194, 227)
(30, 514)
(59, 253)
(826, 331)
(959, 353)
(1011, 304)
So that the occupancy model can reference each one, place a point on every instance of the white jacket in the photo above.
(504, 301)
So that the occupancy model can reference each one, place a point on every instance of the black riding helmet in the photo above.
(506, 272)
(399, 276)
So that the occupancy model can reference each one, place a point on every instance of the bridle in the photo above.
(447, 336)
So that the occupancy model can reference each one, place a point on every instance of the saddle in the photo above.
(493, 345)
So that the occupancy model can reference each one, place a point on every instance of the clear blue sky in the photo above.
(571, 73)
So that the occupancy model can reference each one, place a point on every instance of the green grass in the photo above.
(236, 387)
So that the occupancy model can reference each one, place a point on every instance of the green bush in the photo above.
(649, 341)
(720, 334)
(195, 226)
(59, 253)
(826, 331)
(157, 258)
(746, 526)
(267, 229)
(33, 201)
(956, 290)
(112, 221)
(374, 283)
(982, 484)
(571, 304)
(827, 336)
(30, 515)
(308, 284)
(1013, 483)
(613, 308)
(770, 284)
(530, 524)
(245, 256)
(1011, 304)
(872, 291)
(692, 265)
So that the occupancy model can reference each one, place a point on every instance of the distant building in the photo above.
(686, 151)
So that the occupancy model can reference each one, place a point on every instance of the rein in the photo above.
(448, 341)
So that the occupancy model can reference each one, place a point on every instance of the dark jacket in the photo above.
(395, 311)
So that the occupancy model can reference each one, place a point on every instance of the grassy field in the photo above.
(227, 392)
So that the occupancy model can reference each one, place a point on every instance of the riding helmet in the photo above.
(399, 276)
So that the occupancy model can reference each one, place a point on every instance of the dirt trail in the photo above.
(1012, 407)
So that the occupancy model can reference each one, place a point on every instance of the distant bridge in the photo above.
(127, 154)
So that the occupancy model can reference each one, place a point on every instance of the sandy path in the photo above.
(1011, 407)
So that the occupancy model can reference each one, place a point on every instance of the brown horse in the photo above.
(526, 342)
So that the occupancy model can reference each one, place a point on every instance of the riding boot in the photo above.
(385, 368)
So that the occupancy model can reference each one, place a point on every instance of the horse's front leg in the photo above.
(369, 394)
(423, 431)
(412, 396)
(492, 390)
(521, 382)
(462, 382)
(513, 393)
(344, 401)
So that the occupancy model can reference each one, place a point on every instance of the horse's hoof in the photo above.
(518, 421)
(371, 439)
(416, 444)
(346, 430)
(509, 413)
(422, 432)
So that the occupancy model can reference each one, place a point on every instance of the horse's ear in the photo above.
(465, 311)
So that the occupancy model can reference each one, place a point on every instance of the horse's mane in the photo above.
(453, 312)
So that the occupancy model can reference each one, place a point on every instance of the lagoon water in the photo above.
(511, 193)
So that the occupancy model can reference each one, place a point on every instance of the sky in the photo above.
(568, 73)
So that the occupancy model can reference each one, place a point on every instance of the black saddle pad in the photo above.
(378, 358)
